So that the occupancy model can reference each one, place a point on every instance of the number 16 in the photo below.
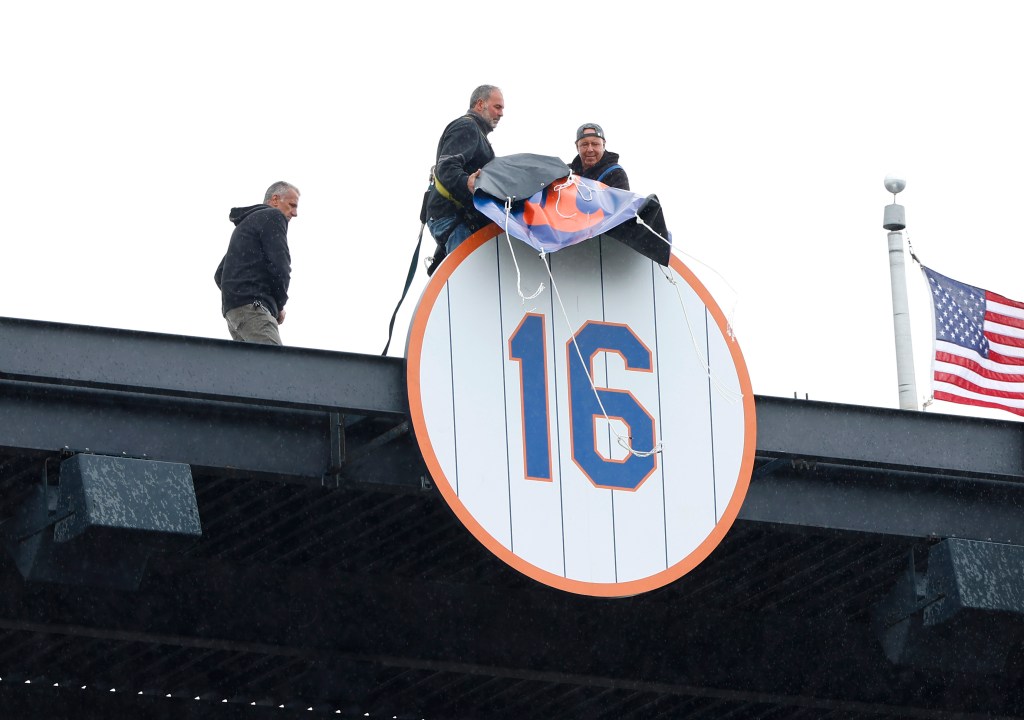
(527, 346)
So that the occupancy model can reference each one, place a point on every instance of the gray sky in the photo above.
(766, 129)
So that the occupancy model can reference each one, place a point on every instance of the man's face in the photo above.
(591, 150)
(287, 202)
(492, 108)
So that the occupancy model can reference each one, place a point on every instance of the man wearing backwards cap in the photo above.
(593, 162)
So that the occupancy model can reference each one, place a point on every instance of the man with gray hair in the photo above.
(253, 277)
(462, 150)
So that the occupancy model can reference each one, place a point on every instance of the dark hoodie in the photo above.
(257, 265)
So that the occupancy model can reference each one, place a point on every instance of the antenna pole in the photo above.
(895, 221)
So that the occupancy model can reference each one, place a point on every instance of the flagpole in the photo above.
(895, 221)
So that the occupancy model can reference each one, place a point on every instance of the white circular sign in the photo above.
(599, 437)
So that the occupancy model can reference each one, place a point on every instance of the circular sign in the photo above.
(598, 437)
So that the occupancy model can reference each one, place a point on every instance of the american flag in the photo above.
(979, 345)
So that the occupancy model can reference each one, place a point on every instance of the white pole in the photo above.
(895, 222)
(901, 324)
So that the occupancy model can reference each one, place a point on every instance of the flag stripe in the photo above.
(1016, 359)
(965, 383)
(954, 398)
(985, 375)
(1004, 339)
(1005, 320)
(995, 300)
(991, 362)
(1011, 333)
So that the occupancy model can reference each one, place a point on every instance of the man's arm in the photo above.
(274, 239)
(461, 142)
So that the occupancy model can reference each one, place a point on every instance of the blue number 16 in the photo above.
(586, 402)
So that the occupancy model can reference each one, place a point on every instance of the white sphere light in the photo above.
(895, 183)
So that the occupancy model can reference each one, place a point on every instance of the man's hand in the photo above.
(471, 182)
(280, 316)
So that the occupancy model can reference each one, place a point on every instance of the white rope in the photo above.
(732, 307)
(623, 441)
(731, 313)
(582, 190)
(709, 267)
(519, 275)
(726, 392)
(654, 232)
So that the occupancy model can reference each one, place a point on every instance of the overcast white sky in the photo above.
(766, 128)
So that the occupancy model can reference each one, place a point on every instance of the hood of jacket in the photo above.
(238, 214)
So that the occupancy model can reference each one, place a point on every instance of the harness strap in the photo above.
(443, 191)
(607, 170)
(405, 290)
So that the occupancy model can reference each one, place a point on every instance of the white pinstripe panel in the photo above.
(536, 505)
(601, 536)
(589, 543)
(639, 516)
(478, 363)
(685, 417)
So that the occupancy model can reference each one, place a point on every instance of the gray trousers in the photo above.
(253, 323)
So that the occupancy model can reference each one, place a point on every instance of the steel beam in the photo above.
(201, 368)
(181, 366)
(886, 502)
(233, 407)
(208, 435)
(885, 438)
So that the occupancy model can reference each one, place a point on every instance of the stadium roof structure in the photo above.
(876, 569)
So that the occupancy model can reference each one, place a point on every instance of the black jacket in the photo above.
(257, 265)
(462, 150)
(616, 178)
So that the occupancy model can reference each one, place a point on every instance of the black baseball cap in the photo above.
(594, 129)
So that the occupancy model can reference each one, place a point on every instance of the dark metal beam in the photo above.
(880, 437)
(231, 407)
(181, 366)
(211, 436)
(887, 502)
(227, 438)
(200, 368)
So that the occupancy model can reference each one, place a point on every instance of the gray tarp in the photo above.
(519, 176)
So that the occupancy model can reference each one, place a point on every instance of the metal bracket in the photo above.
(921, 594)
(338, 451)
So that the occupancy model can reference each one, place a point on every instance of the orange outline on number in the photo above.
(522, 399)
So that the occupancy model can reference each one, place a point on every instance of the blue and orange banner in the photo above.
(568, 211)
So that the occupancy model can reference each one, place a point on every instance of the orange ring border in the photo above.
(414, 349)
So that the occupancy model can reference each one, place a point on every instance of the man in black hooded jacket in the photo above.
(253, 277)
(462, 150)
